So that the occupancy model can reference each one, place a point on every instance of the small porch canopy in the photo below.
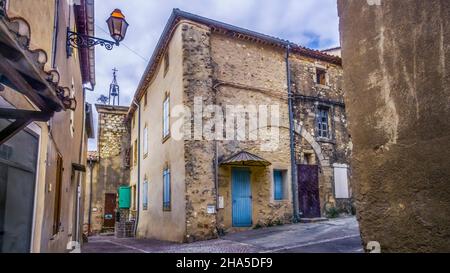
(245, 159)
(22, 69)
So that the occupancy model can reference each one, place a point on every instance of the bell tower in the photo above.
(114, 90)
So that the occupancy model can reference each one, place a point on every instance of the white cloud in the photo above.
(312, 23)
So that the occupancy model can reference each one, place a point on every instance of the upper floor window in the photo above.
(145, 99)
(166, 117)
(145, 141)
(135, 153)
(321, 76)
(166, 62)
(166, 189)
(145, 194)
(323, 123)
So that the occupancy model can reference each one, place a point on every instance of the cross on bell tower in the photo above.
(114, 90)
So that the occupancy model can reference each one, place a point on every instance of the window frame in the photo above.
(145, 141)
(283, 185)
(135, 153)
(145, 194)
(321, 71)
(167, 189)
(58, 194)
(166, 118)
(320, 123)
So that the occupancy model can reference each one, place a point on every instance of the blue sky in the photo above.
(311, 23)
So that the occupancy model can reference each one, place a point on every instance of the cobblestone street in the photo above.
(334, 236)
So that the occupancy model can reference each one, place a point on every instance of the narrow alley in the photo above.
(333, 236)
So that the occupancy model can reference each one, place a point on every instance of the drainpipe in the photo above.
(90, 162)
(91, 167)
(138, 190)
(292, 140)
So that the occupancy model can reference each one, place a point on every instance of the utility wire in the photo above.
(122, 43)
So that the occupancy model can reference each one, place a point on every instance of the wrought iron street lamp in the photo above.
(117, 28)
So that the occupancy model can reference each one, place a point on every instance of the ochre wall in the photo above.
(396, 59)
(59, 139)
(154, 222)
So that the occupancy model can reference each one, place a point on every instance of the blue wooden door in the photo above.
(242, 198)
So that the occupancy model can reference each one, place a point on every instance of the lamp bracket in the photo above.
(77, 40)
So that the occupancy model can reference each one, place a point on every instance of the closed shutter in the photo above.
(278, 185)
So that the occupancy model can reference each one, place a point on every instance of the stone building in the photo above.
(397, 81)
(43, 133)
(109, 167)
(193, 186)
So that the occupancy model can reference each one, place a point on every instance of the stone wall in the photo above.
(199, 154)
(251, 74)
(397, 80)
(310, 149)
(113, 169)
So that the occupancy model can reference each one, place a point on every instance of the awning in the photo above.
(245, 159)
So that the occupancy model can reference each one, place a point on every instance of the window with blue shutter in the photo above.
(145, 195)
(278, 185)
(166, 189)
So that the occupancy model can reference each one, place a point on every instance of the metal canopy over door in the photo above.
(110, 206)
(308, 191)
(242, 198)
(18, 160)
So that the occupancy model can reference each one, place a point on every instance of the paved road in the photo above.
(334, 236)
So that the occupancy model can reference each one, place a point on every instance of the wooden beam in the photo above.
(11, 113)
(7, 69)
(13, 129)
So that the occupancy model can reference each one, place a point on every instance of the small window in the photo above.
(133, 121)
(323, 123)
(166, 189)
(135, 153)
(145, 141)
(145, 99)
(145, 195)
(58, 190)
(278, 185)
(166, 62)
(131, 162)
(321, 76)
(166, 117)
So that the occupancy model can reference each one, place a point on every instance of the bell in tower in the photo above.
(114, 90)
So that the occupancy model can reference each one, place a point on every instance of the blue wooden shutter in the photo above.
(145, 195)
(278, 185)
(166, 189)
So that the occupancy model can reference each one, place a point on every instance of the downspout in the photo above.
(90, 164)
(292, 140)
(80, 155)
(138, 190)
(91, 168)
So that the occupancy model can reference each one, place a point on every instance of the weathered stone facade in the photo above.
(310, 148)
(111, 170)
(199, 154)
(219, 69)
(397, 82)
